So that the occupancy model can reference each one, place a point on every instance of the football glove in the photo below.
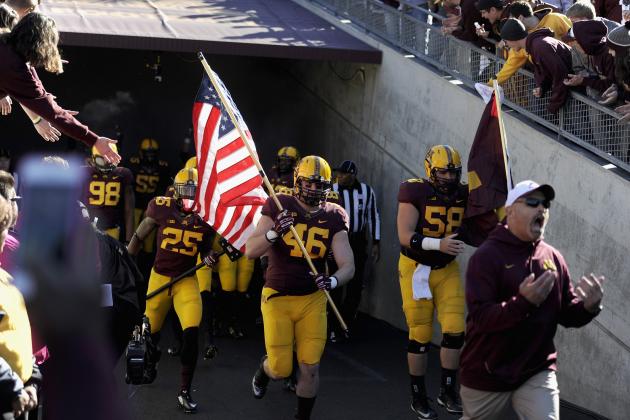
(324, 282)
(211, 259)
(283, 223)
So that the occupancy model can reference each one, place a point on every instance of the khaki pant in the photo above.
(536, 399)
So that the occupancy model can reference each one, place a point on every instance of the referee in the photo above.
(360, 203)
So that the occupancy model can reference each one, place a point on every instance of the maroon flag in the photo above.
(487, 180)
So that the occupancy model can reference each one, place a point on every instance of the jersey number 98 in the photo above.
(104, 193)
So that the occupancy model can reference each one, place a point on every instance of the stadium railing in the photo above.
(581, 120)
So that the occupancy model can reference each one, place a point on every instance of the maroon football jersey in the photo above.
(282, 183)
(150, 179)
(440, 216)
(180, 237)
(288, 271)
(104, 195)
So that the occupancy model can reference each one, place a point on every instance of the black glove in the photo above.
(283, 222)
(211, 259)
(325, 282)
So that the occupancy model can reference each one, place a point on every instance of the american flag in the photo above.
(229, 194)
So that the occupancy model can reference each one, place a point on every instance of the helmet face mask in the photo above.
(287, 158)
(99, 162)
(185, 186)
(443, 167)
(312, 181)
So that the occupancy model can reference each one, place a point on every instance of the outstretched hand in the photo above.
(590, 291)
(536, 290)
(103, 145)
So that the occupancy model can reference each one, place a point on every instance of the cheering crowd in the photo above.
(313, 237)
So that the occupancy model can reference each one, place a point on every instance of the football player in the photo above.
(281, 174)
(430, 214)
(151, 178)
(109, 196)
(293, 302)
(181, 236)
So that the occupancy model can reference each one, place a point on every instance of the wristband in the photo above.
(333, 281)
(416, 241)
(271, 236)
(431, 244)
(37, 120)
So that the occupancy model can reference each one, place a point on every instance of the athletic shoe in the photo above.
(210, 352)
(185, 401)
(422, 408)
(174, 350)
(449, 399)
(260, 380)
(289, 384)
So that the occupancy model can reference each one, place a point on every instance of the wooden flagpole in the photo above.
(497, 102)
(297, 237)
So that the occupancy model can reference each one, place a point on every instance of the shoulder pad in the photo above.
(332, 194)
(415, 180)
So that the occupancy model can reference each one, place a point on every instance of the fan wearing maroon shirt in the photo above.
(33, 44)
(182, 235)
(293, 302)
(518, 289)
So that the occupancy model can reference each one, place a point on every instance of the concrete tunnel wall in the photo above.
(387, 116)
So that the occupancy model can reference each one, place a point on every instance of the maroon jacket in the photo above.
(509, 340)
(552, 64)
(610, 9)
(599, 59)
(20, 81)
(467, 30)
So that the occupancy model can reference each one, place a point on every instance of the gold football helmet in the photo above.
(443, 167)
(315, 171)
(149, 149)
(185, 184)
(191, 163)
(287, 157)
(99, 162)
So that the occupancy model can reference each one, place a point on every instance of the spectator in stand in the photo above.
(11, 244)
(599, 66)
(491, 11)
(584, 10)
(23, 7)
(619, 94)
(532, 21)
(551, 59)
(31, 44)
(8, 19)
(13, 398)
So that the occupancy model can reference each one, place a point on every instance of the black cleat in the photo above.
(289, 384)
(422, 408)
(150, 365)
(186, 402)
(210, 352)
(260, 380)
(235, 332)
(449, 399)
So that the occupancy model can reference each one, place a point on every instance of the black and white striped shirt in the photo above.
(360, 204)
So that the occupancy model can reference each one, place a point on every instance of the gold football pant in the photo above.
(233, 275)
(148, 245)
(289, 320)
(184, 295)
(448, 299)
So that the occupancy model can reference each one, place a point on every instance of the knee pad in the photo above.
(280, 367)
(415, 347)
(453, 341)
(190, 346)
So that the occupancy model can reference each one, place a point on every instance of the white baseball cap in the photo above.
(525, 187)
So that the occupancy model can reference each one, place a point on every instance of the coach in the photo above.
(518, 290)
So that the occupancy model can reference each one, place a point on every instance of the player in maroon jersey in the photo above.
(293, 302)
(109, 196)
(182, 235)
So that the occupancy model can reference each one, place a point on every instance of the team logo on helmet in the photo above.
(315, 172)
(99, 162)
(443, 167)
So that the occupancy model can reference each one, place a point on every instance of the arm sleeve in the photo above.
(26, 88)
(572, 312)
(515, 60)
(484, 309)
(554, 66)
